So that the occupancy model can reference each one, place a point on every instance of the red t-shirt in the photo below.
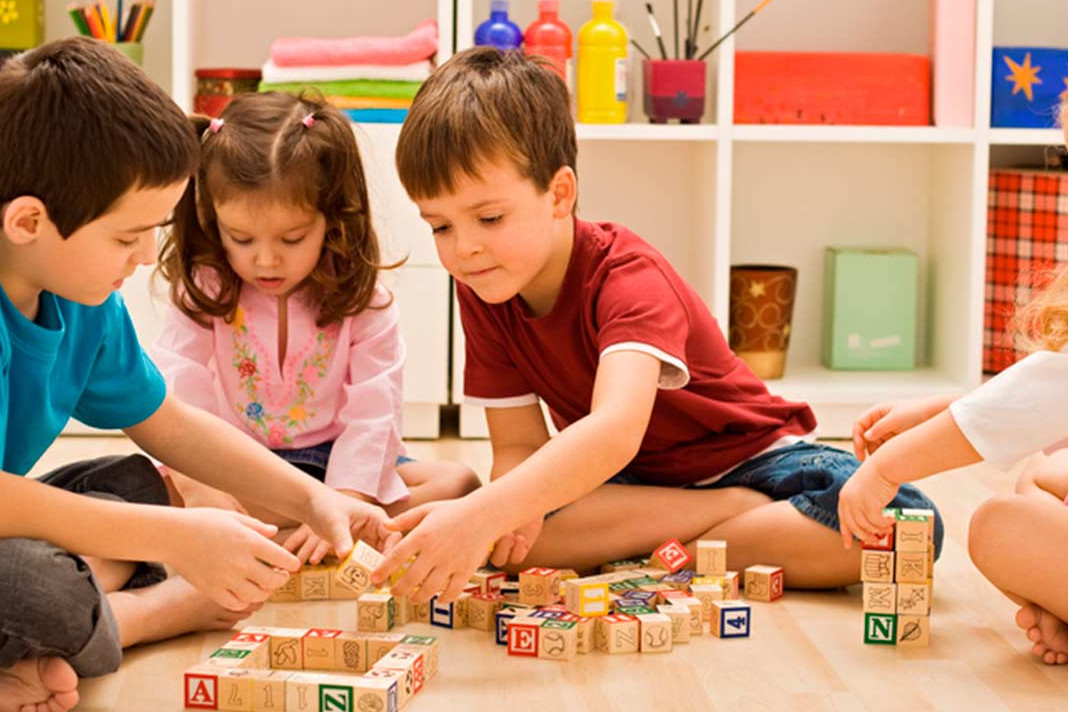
(711, 413)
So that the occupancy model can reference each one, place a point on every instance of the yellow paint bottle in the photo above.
(602, 68)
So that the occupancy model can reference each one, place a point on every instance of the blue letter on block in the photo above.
(734, 622)
(502, 626)
(441, 614)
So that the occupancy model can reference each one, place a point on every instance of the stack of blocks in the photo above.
(897, 572)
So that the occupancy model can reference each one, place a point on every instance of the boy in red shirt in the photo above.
(664, 432)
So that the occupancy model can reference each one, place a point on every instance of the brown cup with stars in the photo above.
(761, 308)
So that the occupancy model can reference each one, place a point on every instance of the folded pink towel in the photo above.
(419, 44)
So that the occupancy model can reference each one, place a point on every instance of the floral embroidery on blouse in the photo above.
(275, 422)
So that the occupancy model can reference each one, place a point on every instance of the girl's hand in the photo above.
(513, 547)
(227, 555)
(884, 421)
(337, 518)
(450, 541)
(861, 503)
(307, 545)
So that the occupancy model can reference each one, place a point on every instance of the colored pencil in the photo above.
(78, 18)
(149, 9)
(105, 18)
(118, 21)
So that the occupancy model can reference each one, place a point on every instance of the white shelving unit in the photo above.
(718, 194)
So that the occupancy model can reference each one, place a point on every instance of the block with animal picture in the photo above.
(354, 572)
(764, 583)
(375, 613)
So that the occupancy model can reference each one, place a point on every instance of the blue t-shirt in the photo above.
(74, 361)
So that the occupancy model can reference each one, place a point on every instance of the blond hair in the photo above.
(1042, 323)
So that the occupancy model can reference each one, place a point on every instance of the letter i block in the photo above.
(711, 557)
(880, 629)
(557, 640)
(913, 533)
(539, 586)
(320, 649)
(730, 619)
(587, 600)
(354, 572)
(523, 635)
(763, 583)
(671, 555)
(202, 688)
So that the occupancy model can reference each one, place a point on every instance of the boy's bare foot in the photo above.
(169, 609)
(1048, 633)
(38, 685)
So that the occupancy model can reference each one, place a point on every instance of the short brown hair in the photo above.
(80, 125)
(266, 146)
(485, 105)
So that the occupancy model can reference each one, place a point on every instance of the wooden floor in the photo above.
(805, 652)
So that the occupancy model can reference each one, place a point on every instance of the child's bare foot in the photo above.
(1048, 633)
(38, 685)
(169, 609)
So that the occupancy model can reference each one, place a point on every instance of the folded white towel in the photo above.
(418, 72)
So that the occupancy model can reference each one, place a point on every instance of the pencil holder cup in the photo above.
(674, 89)
(134, 51)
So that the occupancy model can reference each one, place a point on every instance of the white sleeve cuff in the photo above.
(511, 402)
(673, 372)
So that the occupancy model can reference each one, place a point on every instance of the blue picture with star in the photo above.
(1030, 84)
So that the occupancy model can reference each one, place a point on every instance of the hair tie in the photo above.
(215, 125)
(308, 120)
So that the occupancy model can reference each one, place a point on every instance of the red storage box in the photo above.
(832, 88)
(1026, 238)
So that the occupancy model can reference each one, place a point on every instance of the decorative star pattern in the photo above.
(756, 289)
(1023, 76)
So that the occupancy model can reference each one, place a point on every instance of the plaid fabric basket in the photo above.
(1026, 238)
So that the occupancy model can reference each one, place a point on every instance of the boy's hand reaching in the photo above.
(513, 547)
(861, 503)
(337, 518)
(883, 421)
(309, 547)
(229, 556)
(450, 540)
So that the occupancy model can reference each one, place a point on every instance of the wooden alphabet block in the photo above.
(730, 619)
(350, 653)
(315, 583)
(489, 580)
(235, 690)
(912, 567)
(482, 610)
(707, 594)
(912, 533)
(287, 652)
(302, 691)
(421, 612)
(655, 633)
(269, 690)
(539, 586)
(371, 694)
(375, 613)
(671, 556)
(621, 565)
(696, 609)
(501, 621)
(429, 647)
(880, 629)
(379, 645)
(319, 647)
(583, 631)
(877, 566)
(557, 640)
(450, 615)
(403, 684)
(288, 592)
(763, 583)
(886, 542)
(355, 571)
(680, 622)
(616, 634)
(337, 591)
(880, 598)
(711, 557)
(586, 600)
(201, 688)
(913, 599)
(913, 631)
(409, 658)
(523, 636)
(731, 586)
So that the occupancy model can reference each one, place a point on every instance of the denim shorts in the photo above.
(810, 476)
(313, 460)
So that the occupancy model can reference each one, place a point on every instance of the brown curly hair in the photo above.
(265, 147)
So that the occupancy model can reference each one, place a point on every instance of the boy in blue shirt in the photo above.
(95, 158)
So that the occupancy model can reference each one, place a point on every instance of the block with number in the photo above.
(711, 557)
(763, 583)
(880, 597)
(654, 630)
(913, 631)
(319, 647)
(880, 629)
(617, 633)
(269, 690)
(587, 600)
(355, 571)
(671, 556)
(523, 636)
(707, 594)
(877, 566)
(539, 586)
(730, 619)
(913, 599)
(375, 613)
